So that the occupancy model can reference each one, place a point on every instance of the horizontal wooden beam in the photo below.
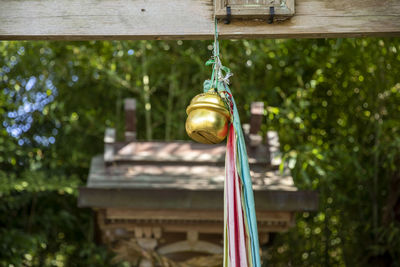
(188, 19)
(202, 227)
(188, 214)
(178, 199)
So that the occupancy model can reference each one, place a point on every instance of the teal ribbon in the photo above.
(221, 86)
(245, 177)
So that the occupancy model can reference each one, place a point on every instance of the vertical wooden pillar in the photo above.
(273, 147)
(257, 113)
(109, 140)
(130, 119)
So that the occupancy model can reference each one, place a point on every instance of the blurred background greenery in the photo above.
(334, 102)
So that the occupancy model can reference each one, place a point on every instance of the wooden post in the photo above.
(130, 119)
(273, 147)
(109, 140)
(257, 113)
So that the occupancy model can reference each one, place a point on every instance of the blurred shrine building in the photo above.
(160, 203)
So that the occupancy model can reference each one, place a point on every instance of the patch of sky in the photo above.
(21, 51)
(30, 83)
(13, 61)
(20, 120)
(6, 69)
(43, 140)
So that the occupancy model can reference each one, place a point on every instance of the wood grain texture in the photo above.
(202, 227)
(183, 153)
(188, 19)
(178, 176)
(198, 215)
(168, 198)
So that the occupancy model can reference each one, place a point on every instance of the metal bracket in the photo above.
(271, 15)
(228, 15)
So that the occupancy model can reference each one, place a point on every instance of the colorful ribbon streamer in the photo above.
(241, 247)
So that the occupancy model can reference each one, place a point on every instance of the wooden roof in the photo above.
(180, 174)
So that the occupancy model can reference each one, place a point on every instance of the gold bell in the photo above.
(208, 118)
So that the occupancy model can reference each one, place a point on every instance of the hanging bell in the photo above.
(208, 118)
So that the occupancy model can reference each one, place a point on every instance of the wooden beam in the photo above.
(206, 228)
(178, 199)
(188, 19)
(188, 214)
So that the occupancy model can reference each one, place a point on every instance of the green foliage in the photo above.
(334, 102)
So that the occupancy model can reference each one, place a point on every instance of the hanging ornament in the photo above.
(208, 118)
(212, 116)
